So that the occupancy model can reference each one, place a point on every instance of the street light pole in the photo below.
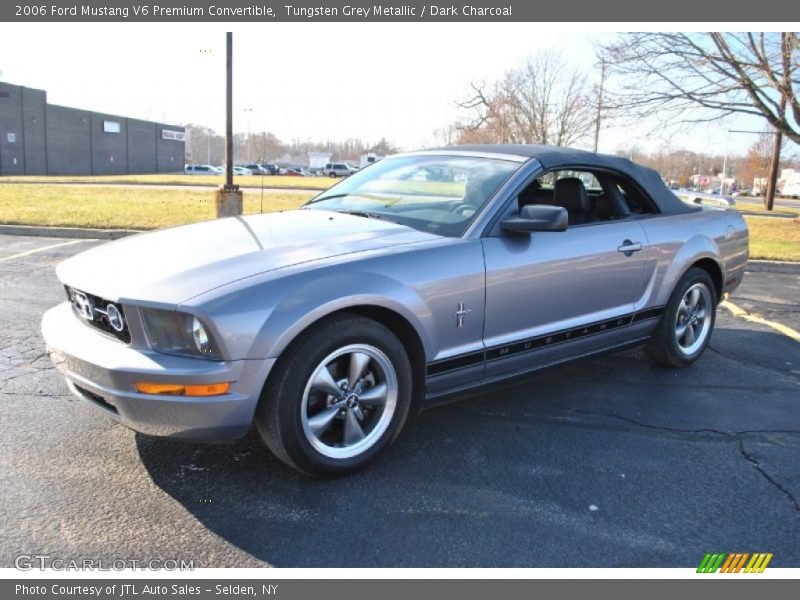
(774, 161)
(229, 197)
(599, 113)
(724, 174)
(229, 111)
(249, 111)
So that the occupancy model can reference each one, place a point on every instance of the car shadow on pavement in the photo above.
(612, 456)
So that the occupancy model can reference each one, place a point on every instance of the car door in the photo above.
(554, 295)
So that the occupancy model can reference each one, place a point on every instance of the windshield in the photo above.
(436, 194)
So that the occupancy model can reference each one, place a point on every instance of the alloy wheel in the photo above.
(349, 401)
(693, 319)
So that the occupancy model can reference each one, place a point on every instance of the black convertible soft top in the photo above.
(552, 157)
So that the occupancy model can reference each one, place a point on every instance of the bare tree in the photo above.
(707, 76)
(544, 101)
(204, 145)
(691, 77)
(758, 160)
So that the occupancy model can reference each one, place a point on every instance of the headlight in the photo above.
(202, 342)
(178, 333)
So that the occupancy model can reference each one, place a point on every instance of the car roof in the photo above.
(547, 155)
(552, 157)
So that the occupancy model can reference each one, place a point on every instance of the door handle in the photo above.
(628, 247)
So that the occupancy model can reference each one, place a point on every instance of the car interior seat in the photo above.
(571, 194)
(601, 207)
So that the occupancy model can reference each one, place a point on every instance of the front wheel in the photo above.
(688, 320)
(337, 398)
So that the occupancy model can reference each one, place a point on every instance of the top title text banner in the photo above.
(406, 11)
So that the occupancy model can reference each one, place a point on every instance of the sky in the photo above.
(309, 81)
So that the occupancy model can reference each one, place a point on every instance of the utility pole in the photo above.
(599, 114)
(229, 197)
(723, 175)
(775, 161)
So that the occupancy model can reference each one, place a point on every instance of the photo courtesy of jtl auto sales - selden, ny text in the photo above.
(399, 300)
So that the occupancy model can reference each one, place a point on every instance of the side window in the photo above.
(578, 191)
(589, 180)
(589, 196)
(328, 166)
(633, 198)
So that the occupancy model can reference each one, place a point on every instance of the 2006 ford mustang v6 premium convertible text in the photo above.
(422, 275)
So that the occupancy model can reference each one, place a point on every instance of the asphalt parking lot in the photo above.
(611, 462)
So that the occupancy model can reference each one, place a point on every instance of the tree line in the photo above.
(206, 146)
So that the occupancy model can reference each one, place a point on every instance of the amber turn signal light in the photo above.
(176, 389)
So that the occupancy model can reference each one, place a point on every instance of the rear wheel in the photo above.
(687, 323)
(337, 398)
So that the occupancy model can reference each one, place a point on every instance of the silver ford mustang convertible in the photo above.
(422, 275)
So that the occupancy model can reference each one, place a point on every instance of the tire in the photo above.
(337, 397)
(332, 175)
(685, 328)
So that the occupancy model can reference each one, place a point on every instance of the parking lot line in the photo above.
(739, 312)
(35, 250)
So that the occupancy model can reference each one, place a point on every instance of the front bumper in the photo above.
(103, 371)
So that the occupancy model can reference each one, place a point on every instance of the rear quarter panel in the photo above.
(675, 242)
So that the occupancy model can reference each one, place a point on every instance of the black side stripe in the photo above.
(542, 341)
(650, 313)
(457, 362)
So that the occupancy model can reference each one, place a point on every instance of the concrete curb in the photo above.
(67, 232)
(774, 266)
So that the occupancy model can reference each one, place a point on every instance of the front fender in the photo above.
(316, 298)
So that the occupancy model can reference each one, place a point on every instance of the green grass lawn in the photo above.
(774, 239)
(759, 208)
(123, 207)
(109, 207)
(276, 181)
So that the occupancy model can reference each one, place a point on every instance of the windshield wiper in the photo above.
(359, 213)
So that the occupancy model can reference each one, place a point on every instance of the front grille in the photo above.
(97, 399)
(94, 311)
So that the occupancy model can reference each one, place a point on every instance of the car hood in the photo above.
(170, 266)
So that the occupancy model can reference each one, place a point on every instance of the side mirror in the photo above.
(537, 217)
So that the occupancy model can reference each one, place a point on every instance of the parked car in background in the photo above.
(203, 170)
(256, 169)
(270, 168)
(242, 171)
(296, 171)
(325, 327)
(338, 170)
